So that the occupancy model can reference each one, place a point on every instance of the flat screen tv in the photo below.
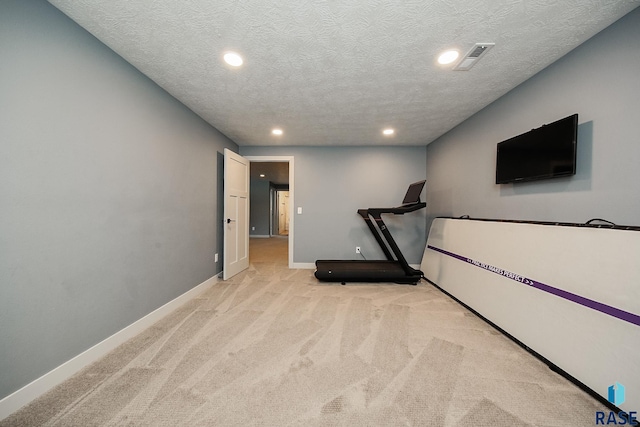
(546, 152)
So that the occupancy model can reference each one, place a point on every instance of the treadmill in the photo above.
(395, 268)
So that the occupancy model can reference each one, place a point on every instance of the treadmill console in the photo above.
(413, 193)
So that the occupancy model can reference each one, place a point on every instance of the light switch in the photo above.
(299, 210)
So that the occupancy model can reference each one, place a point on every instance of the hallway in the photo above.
(269, 250)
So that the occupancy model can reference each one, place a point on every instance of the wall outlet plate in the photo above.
(357, 249)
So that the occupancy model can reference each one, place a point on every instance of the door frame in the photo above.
(273, 207)
(290, 160)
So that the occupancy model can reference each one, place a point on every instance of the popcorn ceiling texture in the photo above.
(337, 73)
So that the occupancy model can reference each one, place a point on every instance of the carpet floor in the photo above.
(275, 347)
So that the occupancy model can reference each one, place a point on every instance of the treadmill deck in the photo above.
(363, 271)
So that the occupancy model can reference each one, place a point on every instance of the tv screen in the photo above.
(546, 152)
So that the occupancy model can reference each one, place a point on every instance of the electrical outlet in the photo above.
(357, 249)
(216, 258)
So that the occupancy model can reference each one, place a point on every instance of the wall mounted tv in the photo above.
(546, 152)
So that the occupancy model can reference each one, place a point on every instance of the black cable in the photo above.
(611, 224)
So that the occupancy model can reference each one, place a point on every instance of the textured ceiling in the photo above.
(337, 72)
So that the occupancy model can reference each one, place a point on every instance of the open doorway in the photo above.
(272, 206)
(280, 212)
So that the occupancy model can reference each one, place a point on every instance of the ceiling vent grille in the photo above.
(473, 56)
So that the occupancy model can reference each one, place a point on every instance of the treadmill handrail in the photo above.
(400, 210)
(364, 213)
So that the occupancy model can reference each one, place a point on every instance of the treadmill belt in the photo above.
(362, 271)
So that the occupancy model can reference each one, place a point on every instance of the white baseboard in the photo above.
(38, 387)
(304, 265)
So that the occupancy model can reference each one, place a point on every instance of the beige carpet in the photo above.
(274, 347)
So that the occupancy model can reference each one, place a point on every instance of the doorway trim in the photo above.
(290, 160)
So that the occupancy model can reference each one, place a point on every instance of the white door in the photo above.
(236, 214)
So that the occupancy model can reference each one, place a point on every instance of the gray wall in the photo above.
(332, 183)
(259, 207)
(599, 81)
(110, 193)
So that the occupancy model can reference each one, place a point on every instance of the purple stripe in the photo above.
(595, 305)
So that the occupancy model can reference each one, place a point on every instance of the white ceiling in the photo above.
(338, 72)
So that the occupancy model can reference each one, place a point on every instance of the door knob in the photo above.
(230, 220)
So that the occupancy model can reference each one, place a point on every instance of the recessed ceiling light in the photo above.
(388, 132)
(261, 175)
(277, 131)
(233, 59)
(448, 57)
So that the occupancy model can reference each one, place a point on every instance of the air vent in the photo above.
(474, 55)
